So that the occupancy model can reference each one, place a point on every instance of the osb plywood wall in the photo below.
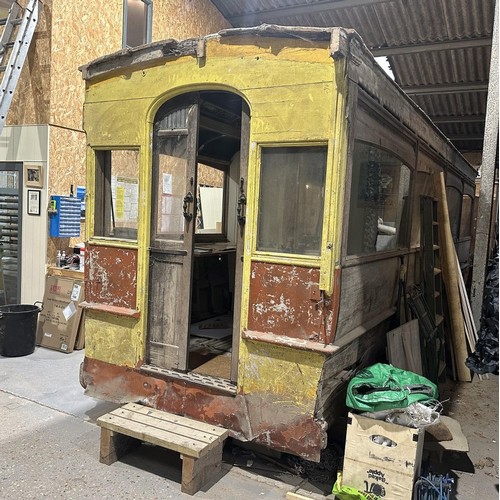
(209, 176)
(81, 32)
(180, 19)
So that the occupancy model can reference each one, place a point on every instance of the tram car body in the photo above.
(251, 195)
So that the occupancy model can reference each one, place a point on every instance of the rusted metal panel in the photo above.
(111, 276)
(285, 300)
(248, 417)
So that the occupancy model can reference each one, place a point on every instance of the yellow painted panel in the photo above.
(110, 125)
(112, 339)
(292, 113)
(269, 48)
(277, 113)
(335, 181)
(340, 132)
(292, 374)
(234, 70)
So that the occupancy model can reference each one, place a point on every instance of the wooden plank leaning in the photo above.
(450, 275)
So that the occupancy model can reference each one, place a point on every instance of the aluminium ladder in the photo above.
(15, 40)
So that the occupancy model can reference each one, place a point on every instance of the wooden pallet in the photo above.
(199, 444)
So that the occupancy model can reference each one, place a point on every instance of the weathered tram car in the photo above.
(250, 195)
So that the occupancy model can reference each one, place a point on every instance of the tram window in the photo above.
(117, 194)
(291, 201)
(454, 198)
(466, 219)
(378, 216)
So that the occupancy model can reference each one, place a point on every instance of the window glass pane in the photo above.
(454, 198)
(210, 211)
(171, 182)
(292, 184)
(136, 29)
(379, 201)
(117, 193)
(466, 220)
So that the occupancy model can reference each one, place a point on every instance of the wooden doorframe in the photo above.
(238, 275)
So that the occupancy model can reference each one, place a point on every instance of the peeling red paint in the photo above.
(111, 276)
(284, 301)
(249, 417)
(334, 308)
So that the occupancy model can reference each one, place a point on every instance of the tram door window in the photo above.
(379, 201)
(291, 201)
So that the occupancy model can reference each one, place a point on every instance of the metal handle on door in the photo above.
(188, 199)
(242, 201)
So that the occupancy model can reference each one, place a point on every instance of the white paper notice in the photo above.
(69, 311)
(75, 293)
(167, 184)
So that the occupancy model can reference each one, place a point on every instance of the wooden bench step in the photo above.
(184, 435)
(199, 444)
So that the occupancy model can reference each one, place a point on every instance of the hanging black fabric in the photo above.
(485, 358)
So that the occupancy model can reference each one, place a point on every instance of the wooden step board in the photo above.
(199, 444)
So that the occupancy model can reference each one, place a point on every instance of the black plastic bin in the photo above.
(18, 329)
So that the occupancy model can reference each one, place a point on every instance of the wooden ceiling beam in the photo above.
(220, 127)
(465, 137)
(435, 46)
(458, 119)
(447, 88)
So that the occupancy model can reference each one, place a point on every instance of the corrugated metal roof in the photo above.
(443, 66)
(405, 26)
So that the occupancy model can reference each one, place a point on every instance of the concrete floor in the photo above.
(49, 444)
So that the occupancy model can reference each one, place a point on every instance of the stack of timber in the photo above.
(469, 325)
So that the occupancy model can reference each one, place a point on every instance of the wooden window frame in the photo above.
(102, 209)
(149, 21)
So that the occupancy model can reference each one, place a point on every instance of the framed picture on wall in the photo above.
(33, 175)
(34, 201)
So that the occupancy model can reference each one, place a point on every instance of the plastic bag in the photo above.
(383, 387)
(417, 415)
(342, 492)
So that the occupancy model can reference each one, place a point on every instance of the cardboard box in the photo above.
(59, 321)
(382, 458)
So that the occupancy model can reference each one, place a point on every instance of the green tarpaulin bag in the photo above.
(384, 387)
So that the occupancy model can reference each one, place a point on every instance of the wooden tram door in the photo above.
(172, 235)
(185, 141)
